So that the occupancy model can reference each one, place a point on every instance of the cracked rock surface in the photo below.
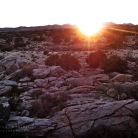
(77, 104)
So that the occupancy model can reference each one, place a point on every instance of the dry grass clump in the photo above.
(42, 107)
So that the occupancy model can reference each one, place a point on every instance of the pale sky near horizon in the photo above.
(14, 13)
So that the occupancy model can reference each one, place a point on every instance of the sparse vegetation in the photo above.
(52, 60)
(115, 64)
(96, 59)
(35, 94)
(24, 72)
(66, 61)
(46, 103)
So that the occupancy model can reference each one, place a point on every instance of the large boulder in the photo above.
(86, 120)
(122, 78)
(96, 117)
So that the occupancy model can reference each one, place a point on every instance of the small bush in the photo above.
(25, 72)
(96, 59)
(66, 61)
(115, 64)
(52, 60)
(46, 103)
(35, 94)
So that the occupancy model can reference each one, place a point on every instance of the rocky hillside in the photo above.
(52, 90)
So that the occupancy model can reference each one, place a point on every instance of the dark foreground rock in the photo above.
(90, 119)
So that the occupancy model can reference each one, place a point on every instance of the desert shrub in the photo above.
(20, 44)
(35, 94)
(52, 60)
(96, 59)
(25, 72)
(66, 61)
(46, 52)
(115, 64)
(46, 103)
(7, 48)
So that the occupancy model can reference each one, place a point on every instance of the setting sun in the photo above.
(90, 29)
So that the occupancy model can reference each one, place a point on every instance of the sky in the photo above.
(14, 13)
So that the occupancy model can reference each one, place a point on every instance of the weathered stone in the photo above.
(56, 71)
(39, 127)
(112, 92)
(80, 81)
(10, 65)
(30, 84)
(81, 120)
(9, 83)
(52, 79)
(113, 74)
(122, 78)
(5, 90)
(73, 74)
(25, 113)
(2, 75)
(41, 82)
(41, 73)
(25, 79)
(59, 83)
(81, 89)
(101, 77)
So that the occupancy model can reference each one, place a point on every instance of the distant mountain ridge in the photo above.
(23, 28)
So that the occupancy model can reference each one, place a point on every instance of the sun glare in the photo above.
(90, 29)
